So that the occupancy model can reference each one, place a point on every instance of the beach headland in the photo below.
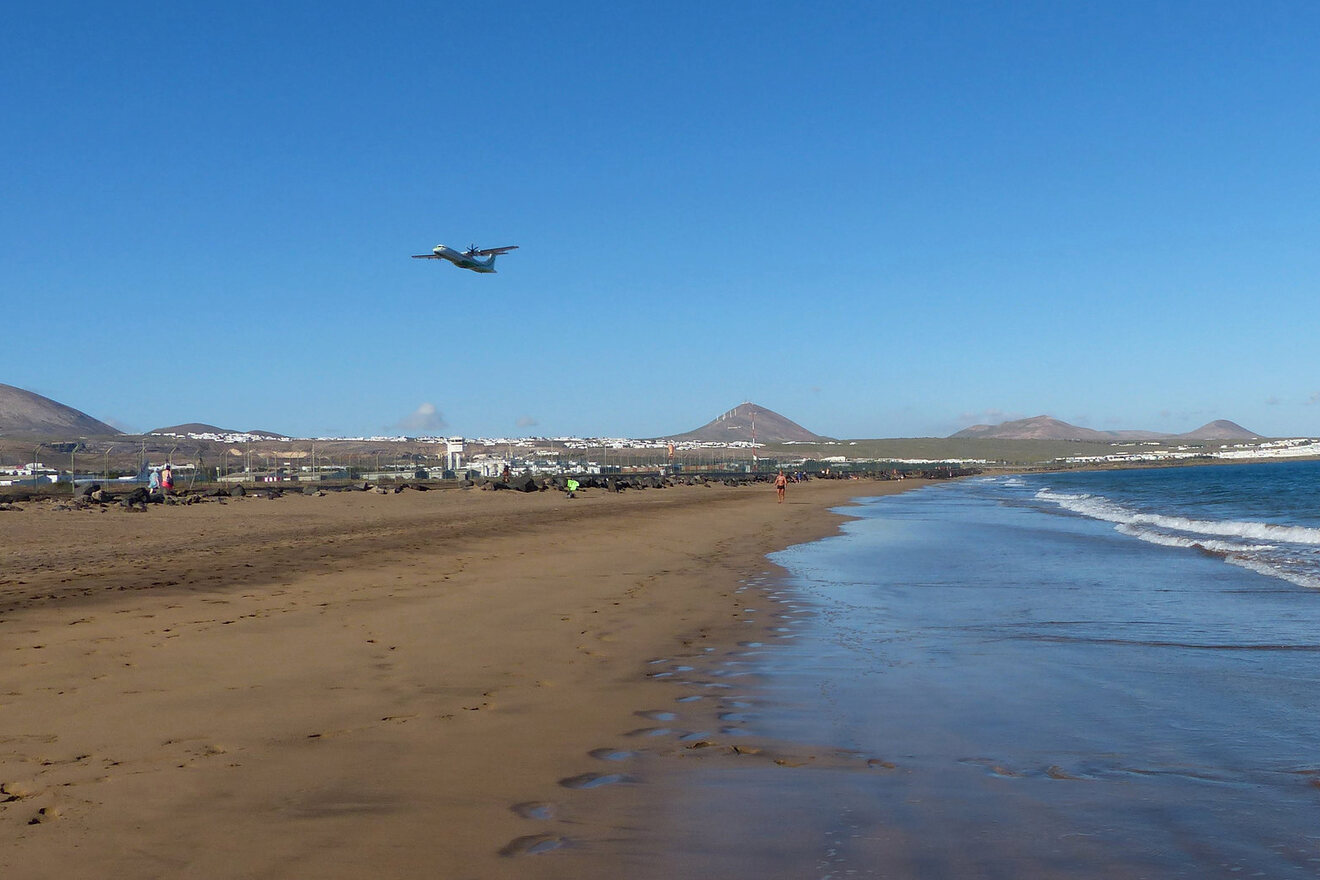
(450, 683)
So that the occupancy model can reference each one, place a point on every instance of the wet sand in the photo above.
(445, 684)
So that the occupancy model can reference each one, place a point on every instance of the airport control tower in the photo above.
(454, 454)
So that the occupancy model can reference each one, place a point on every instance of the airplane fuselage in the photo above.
(463, 261)
(470, 259)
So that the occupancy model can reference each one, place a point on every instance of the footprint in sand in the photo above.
(44, 815)
(737, 716)
(13, 791)
(533, 845)
(535, 810)
(611, 754)
(593, 780)
(656, 715)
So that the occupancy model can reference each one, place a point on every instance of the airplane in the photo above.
(467, 259)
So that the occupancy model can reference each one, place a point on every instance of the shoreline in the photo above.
(1058, 697)
(329, 687)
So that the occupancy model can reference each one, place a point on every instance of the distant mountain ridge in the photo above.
(739, 424)
(198, 428)
(25, 412)
(1049, 428)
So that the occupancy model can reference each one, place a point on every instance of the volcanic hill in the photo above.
(1048, 428)
(737, 425)
(26, 413)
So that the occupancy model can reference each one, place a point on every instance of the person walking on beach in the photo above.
(153, 482)
(781, 483)
(166, 479)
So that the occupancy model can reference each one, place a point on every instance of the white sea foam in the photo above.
(1099, 507)
(1207, 544)
(1269, 549)
(1263, 566)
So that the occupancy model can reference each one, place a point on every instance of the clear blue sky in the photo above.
(878, 219)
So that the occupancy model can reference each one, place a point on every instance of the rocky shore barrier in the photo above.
(139, 498)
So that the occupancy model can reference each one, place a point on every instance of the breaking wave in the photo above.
(1286, 551)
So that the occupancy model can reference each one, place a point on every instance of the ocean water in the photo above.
(1262, 517)
(1085, 675)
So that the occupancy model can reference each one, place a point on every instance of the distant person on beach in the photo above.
(153, 482)
(166, 479)
(781, 483)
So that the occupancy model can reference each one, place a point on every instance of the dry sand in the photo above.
(414, 685)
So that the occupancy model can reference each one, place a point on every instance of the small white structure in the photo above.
(488, 466)
(454, 454)
(30, 473)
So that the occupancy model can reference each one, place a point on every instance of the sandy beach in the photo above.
(445, 684)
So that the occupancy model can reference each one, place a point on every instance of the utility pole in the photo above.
(753, 439)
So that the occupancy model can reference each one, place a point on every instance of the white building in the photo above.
(454, 454)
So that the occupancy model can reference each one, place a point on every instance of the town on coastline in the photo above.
(46, 442)
(241, 457)
(263, 458)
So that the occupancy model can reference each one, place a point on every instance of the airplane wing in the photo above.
(491, 252)
(427, 257)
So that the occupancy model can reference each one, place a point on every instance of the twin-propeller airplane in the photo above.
(468, 259)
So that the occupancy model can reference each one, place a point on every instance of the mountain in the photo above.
(191, 428)
(1220, 429)
(1034, 428)
(23, 412)
(1048, 428)
(736, 425)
